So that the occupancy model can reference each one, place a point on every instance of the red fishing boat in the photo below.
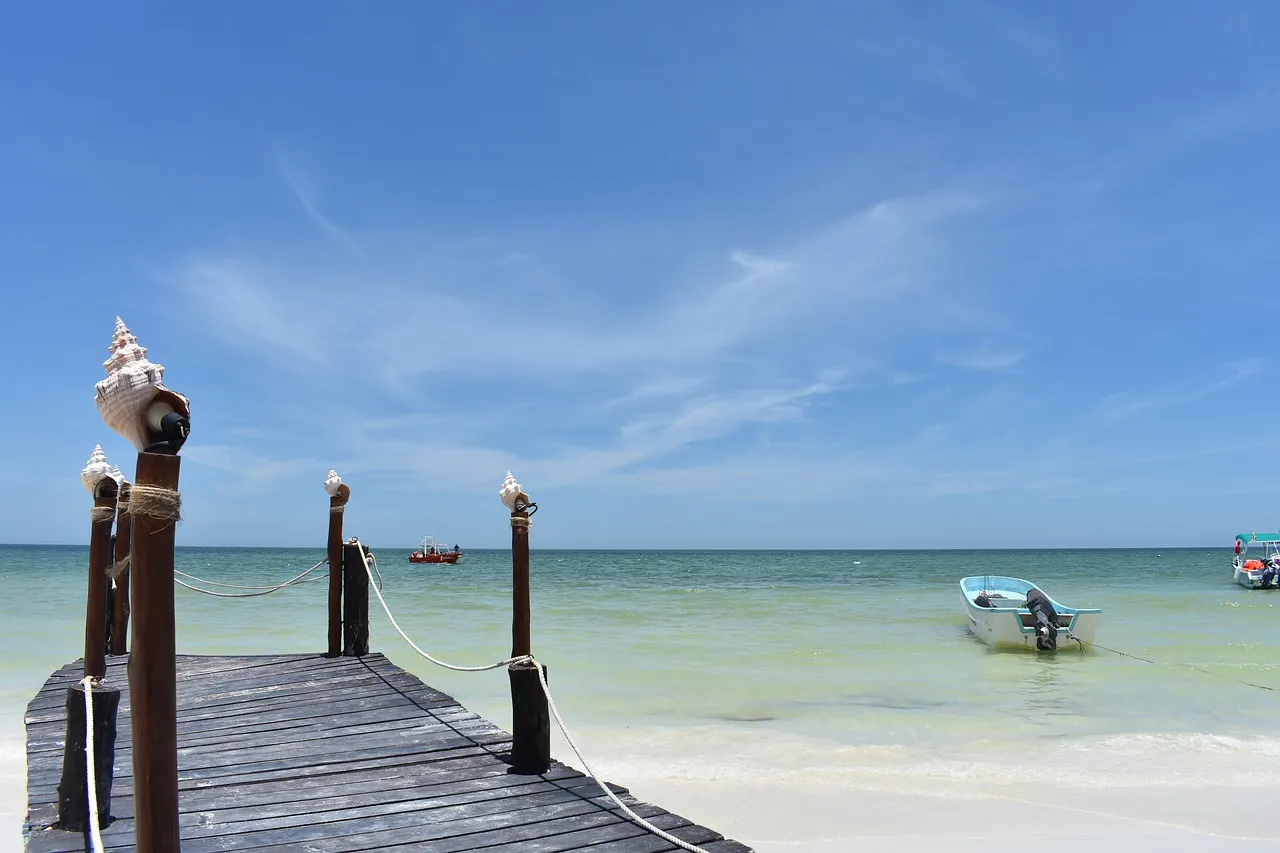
(430, 551)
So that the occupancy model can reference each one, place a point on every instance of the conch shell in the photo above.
(96, 469)
(332, 483)
(131, 386)
(510, 492)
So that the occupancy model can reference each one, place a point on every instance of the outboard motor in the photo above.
(1046, 620)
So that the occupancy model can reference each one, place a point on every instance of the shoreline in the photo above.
(817, 817)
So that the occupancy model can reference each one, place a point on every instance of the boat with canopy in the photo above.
(1261, 570)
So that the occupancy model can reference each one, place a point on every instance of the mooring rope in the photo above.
(100, 514)
(555, 712)
(260, 590)
(1196, 667)
(95, 834)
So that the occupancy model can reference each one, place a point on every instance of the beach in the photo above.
(802, 701)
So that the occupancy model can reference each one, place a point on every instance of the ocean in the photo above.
(850, 668)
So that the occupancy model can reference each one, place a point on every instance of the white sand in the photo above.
(13, 782)
(813, 819)
(779, 809)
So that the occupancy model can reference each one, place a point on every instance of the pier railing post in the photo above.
(355, 601)
(530, 718)
(120, 604)
(339, 494)
(105, 493)
(153, 689)
(73, 789)
(135, 403)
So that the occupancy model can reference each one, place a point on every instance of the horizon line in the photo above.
(322, 547)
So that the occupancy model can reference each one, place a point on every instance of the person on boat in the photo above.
(1272, 570)
(456, 549)
(1237, 547)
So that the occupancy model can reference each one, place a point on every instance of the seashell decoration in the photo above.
(510, 491)
(133, 383)
(332, 482)
(95, 469)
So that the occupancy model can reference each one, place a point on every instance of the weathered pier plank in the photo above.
(335, 755)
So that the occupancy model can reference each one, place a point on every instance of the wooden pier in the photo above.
(344, 751)
(307, 752)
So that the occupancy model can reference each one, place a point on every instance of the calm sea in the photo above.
(836, 665)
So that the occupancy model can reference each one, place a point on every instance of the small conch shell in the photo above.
(332, 482)
(96, 469)
(133, 383)
(510, 492)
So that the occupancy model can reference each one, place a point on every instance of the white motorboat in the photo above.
(1007, 611)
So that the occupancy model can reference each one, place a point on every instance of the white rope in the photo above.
(414, 645)
(551, 703)
(262, 590)
(95, 834)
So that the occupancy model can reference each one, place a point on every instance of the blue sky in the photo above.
(812, 274)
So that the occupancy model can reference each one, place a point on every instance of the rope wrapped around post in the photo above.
(158, 502)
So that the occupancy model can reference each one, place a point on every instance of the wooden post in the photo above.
(152, 666)
(530, 719)
(337, 505)
(120, 610)
(355, 602)
(95, 614)
(73, 790)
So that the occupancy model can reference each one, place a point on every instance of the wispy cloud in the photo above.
(252, 471)
(984, 359)
(307, 192)
(1122, 406)
(844, 280)
(1036, 43)
(581, 390)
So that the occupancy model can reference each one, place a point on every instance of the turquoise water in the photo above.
(861, 658)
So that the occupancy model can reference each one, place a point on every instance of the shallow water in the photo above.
(836, 663)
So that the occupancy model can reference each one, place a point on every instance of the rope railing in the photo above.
(546, 689)
(257, 590)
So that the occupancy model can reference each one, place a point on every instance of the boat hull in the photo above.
(450, 558)
(1251, 578)
(1012, 625)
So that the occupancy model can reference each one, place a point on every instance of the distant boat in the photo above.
(1261, 571)
(429, 551)
(1007, 611)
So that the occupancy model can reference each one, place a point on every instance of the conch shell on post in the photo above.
(133, 383)
(332, 483)
(511, 492)
(95, 469)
